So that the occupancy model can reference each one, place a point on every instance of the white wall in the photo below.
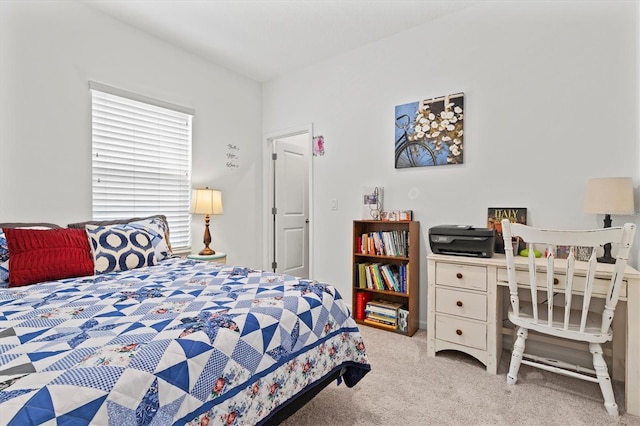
(48, 53)
(551, 94)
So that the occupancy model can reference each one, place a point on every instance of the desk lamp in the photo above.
(206, 201)
(610, 195)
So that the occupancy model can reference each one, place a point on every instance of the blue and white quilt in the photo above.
(182, 342)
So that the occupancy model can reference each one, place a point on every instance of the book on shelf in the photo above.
(379, 324)
(375, 268)
(386, 315)
(362, 297)
(370, 278)
(383, 307)
(406, 278)
(384, 312)
(388, 244)
(395, 272)
(385, 304)
(363, 279)
(380, 318)
(381, 314)
(379, 245)
(385, 271)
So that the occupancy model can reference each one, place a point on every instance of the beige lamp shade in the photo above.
(206, 201)
(609, 195)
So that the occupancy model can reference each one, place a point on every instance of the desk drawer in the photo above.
(600, 285)
(461, 276)
(464, 332)
(461, 303)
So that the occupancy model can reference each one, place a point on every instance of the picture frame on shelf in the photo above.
(396, 215)
(581, 253)
(562, 252)
(403, 320)
(372, 203)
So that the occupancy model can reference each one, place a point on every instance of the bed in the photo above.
(177, 342)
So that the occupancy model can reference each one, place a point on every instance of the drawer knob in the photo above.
(459, 275)
(459, 332)
(556, 281)
(459, 303)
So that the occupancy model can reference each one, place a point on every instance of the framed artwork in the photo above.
(562, 252)
(583, 253)
(396, 215)
(495, 216)
(430, 132)
(372, 203)
(403, 320)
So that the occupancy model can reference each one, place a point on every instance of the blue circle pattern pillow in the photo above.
(120, 248)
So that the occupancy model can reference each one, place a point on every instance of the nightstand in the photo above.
(219, 257)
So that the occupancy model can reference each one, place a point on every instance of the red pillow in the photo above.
(37, 255)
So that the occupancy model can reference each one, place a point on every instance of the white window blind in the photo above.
(141, 161)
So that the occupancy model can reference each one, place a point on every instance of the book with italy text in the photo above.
(495, 216)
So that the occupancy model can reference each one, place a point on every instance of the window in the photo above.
(141, 150)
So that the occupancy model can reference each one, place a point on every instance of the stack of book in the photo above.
(382, 313)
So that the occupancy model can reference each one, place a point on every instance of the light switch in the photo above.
(334, 204)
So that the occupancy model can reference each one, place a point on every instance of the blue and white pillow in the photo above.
(120, 247)
(156, 228)
(4, 258)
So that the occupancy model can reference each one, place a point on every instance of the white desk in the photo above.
(465, 313)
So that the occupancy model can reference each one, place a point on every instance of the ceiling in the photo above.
(264, 39)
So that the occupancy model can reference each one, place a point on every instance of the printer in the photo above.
(462, 240)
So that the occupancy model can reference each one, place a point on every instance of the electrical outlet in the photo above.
(334, 204)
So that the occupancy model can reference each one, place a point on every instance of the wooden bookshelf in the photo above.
(408, 260)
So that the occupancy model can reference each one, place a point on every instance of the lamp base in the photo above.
(607, 258)
(207, 252)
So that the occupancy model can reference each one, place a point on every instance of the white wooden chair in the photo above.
(541, 307)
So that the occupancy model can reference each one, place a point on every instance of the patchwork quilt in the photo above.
(182, 342)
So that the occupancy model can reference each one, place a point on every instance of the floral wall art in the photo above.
(430, 132)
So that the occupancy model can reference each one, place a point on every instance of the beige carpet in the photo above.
(406, 387)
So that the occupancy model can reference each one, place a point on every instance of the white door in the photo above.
(291, 197)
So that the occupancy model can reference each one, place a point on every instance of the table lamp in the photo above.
(206, 201)
(610, 195)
